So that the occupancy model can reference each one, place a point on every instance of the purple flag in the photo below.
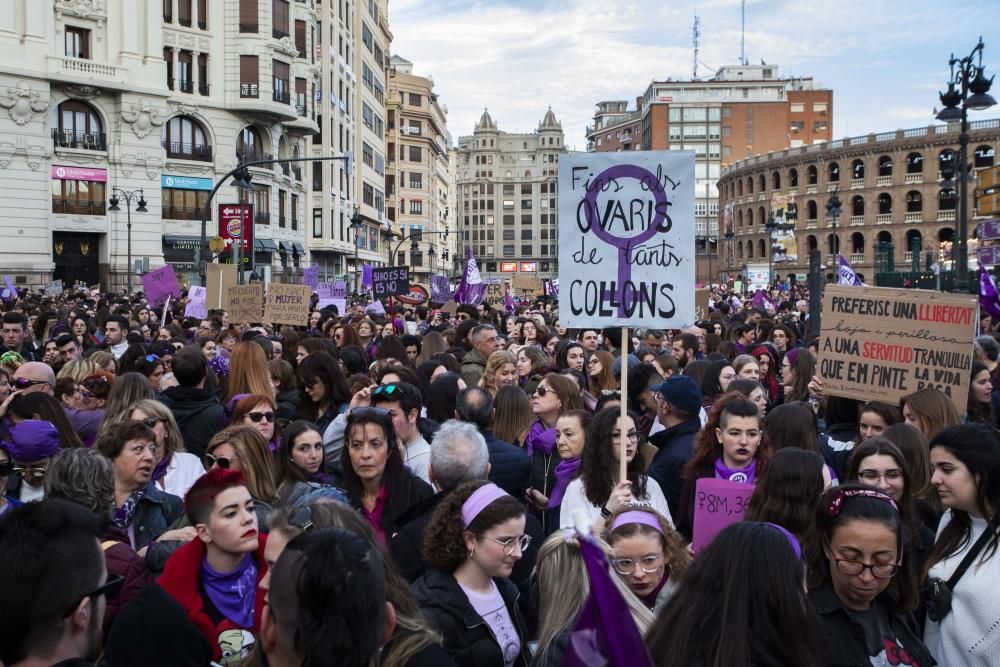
(471, 289)
(760, 298)
(366, 276)
(508, 302)
(989, 299)
(9, 294)
(845, 273)
(605, 633)
(440, 289)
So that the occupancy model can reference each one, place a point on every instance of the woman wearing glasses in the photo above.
(377, 482)
(29, 445)
(858, 584)
(475, 537)
(599, 373)
(244, 449)
(259, 412)
(176, 470)
(323, 392)
(142, 510)
(597, 491)
(648, 554)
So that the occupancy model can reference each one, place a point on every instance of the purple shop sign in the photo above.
(989, 255)
(989, 230)
(159, 284)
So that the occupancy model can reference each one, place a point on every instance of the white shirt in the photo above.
(576, 499)
(418, 458)
(970, 635)
(119, 349)
(28, 493)
(184, 470)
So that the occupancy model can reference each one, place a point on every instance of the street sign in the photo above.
(390, 281)
(989, 255)
(216, 244)
(230, 228)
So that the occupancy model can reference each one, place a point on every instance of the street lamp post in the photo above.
(128, 196)
(834, 210)
(729, 249)
(967, 76)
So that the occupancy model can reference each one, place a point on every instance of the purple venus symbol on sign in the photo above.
(650, 183)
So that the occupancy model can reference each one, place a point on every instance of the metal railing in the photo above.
(92, 141)
(185, 86)
(183, 151)
(76, 207)
(181, 213)
(262, 218)
(281, 96)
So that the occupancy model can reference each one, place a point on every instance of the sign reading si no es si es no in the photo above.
(626, 239)
(390, 281)
(880, 344)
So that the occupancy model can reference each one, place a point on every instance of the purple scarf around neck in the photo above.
(739, 475)
(232, 593)
(565, 472)
(160, 471)
(540, 438)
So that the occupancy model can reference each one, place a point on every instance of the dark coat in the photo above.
(199, 416)
(467, 637)
(288, 401)
(543, 478)
(510, 467)
(121, 559)
(155, 512)
(675, 447)
(844, 640)
(684, 518)
(409, 491)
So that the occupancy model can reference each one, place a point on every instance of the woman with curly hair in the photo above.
(600, 375)
(649, 554)
(597, 491)
(730, 446)
(531, 361)
(474, 539)
(501, 370)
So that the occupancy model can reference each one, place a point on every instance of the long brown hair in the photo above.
(248, 372)
(605, 380)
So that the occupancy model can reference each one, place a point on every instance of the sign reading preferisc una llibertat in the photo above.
(880, 344)
(626, 239)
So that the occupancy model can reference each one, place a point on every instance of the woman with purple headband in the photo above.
(649, 554)
(475, 537)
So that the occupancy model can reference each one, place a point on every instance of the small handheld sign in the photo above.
(390, 281)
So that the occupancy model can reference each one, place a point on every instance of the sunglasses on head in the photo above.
(152, 358)
(255, 417)
(224, 462)
(385, 389)
(24, 383)
(151, 422)
(109, 590)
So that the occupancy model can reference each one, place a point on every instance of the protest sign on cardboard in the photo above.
(701, 296)
(287, 304)
(626, 239)
(220, 278)
(196, 303)
(718, 503)
(160, 284)
(54, 288)
(880, 344)
(245, 303)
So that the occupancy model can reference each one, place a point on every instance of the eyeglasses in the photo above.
(594, 362)
(108, 590)
(610, 393)
(648, 564)
(151, 422)
(854, 568)
(139, 448)
(255, 417)
(508, 545)
(224, 462)
(873, 476)
(24, 383)
(30, 471)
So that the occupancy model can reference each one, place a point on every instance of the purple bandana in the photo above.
(32, 440)
(540, 438)
(123, 515)
(232, 593)
(565, 472)
(739, 475)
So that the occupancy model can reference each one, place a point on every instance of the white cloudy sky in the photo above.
(884, 59)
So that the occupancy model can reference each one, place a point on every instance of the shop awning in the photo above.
(285, 246)
(265, 245)
(299, 250)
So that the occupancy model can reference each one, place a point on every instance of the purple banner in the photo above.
(989, 255)
(159, 284)
(310, 276)
(10, 293)
(366, 276)
(989, 230)
(471, 289)
(989, 299)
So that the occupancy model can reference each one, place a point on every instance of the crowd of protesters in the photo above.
(409, 491)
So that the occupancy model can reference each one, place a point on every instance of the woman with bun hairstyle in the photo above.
(471, 544)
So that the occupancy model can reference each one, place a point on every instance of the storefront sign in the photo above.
(64, 173)
(186, 182)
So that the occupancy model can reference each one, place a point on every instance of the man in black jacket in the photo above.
(680, 403)
(198, 413)
(510, 466)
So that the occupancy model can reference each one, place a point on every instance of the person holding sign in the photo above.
(597, 492)
(858, 584)
(729, 447)
(649, 554)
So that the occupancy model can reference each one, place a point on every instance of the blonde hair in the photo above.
(563, 587)
(102, 358)
(255, 459)
(933, 409)
(248, 371)
(173, 442)
(78, 369)
(496, 361)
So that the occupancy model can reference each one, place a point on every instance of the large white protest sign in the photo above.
(626, 239)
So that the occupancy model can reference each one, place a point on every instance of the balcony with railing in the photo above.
(913, 178)
(297, 172)
(281, 221)
(857, 220)
(178, 150)
(181, 213)
(295, 224)
(908, 257)
(203, 89)
(281, 96)
(857, 183)
(284, 168)
(946, 215)
(857, 257)
(883, 181)
(77, 207)
(913, 216)
(812, 224)
(251, 155)
(277, 33)
(89, 141)
(185, 86)
(883, 218)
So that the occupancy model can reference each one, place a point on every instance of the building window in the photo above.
(526, 249)
(249, 76)
(508, 251)
(798, 126)
(203, 14)
(184, 12)
(366, 37)
(248, 17)
(183, 204)
(819, 126)
(282, 199)
(368, 195)
(300, 97)
(248, 145)
(279, 18)
(414, 100)
(317, 223)
(280, 82)
(79, 127)
(416, 180)
(416, 207)
(77, 42)
(416, 154)
(168, 11)
(300, 38)
(78, 197)
(185, 139)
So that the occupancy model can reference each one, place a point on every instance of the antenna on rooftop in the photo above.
(695, 34)
(743, 32)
